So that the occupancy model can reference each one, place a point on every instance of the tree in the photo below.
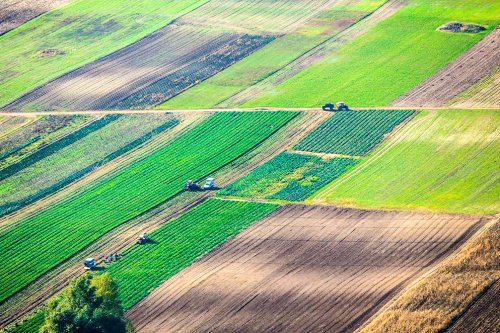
(89, 305)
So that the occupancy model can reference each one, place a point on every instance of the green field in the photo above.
(272, 57)
(390, 59)
(74, 35)
(352, 133)
(47, 238)
(180, 242)
(443, 161)
(290, 177)
(79, 156)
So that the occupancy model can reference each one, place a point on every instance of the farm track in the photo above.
(213, 110)
(121, 237)
(14, 13)
(458, 76)
(482, 315)
(169, 61)
(320, 268)
(318, 53)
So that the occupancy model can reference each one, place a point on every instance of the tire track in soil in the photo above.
(308, 268)
(458, 76)
(31, 298)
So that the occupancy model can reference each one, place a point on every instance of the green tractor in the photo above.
(341, 106)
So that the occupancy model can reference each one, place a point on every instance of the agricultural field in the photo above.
(303, 268)
(390, 59)
(205, 42)
(290, 177)
(441, 161)
(353, 133)
(14, 13)
(485, 93)
(104, 140)
(35, 136)
(460, 75)
(72, 36)
(300, 43)
(180, 242)
(85, 216)
(458, 296)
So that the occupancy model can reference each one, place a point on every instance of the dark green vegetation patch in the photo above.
(352, 133)
(292, 177)
(179, 243)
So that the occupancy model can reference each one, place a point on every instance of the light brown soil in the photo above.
(13, 13)
(458, 76)
(32, 297)
(482, 316)
(303, 269)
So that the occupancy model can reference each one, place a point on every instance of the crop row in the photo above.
(79, 158)
(34, 135)
(292, 177)
(180, 242)
(44, 240)
(197, 71)
(55, 146)
(353, 133)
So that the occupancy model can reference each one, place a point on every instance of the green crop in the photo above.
(47, 238)
(181, 241)
(291, 177)
(352, 133)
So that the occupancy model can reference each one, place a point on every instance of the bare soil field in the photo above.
(485, 93)
(482, 316)
(304, 268)
(458, 76)
(13, 13)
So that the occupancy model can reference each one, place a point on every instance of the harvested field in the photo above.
(184, 53)
(458, 76)
(13, 13)
(303, 268)
(482, 316)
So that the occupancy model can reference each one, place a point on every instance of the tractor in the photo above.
(341, 106)
(192, 186)
(89, 264)
(143, 239)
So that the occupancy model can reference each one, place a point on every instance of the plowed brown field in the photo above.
(304, 268)
(458, 76)
(13, 13)
(482, 316)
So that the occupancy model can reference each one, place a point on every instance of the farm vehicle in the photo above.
(341, 106)
(192, 186)
(143, 239)
(89, 264)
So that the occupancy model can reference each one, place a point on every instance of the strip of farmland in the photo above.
(13, 13)
(121, 237)
(79, 157)
(440, 161)
(353, 133)
(304, 268)
(485, 93)
(81, 219)
(468, 69)
(157, 68)
(72, 36)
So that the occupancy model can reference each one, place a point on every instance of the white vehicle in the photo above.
(89, 264)
(209, 184)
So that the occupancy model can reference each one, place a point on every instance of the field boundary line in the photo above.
(486, 221)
